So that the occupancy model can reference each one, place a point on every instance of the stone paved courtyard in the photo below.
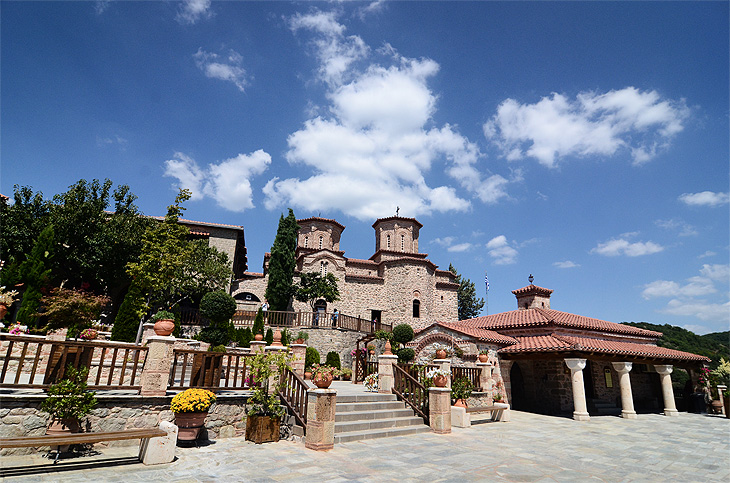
(532, 447)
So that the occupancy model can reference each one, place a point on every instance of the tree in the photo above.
(132, 310)
(469, 305)
(22, 223)
(34, 273)
(282, 263)
(313, 286)
(258, 323)
(72, 309)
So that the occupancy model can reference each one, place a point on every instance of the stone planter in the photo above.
(189, 425)
(262, 429)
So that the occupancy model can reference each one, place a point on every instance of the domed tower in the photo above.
(397, 234)
(319, 234)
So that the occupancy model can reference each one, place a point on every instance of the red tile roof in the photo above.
(543, 317)
(532, 288)
(380, 220)
(559, 343)
(481, 334)
(325, 220)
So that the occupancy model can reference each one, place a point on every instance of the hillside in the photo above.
(713, 345)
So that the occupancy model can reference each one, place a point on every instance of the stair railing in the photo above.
(408, 389)
(294, 396)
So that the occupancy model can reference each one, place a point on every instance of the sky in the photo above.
(585, 143)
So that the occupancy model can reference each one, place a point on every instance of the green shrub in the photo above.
(258, 323)
(217, 348)
(285, 337)
(129, 315)
(311, 357)
(406, 354)
(69, 398)
(461, 388)
(244, 336)
(163, 315)
(402, 333)
(333, 359)
(269, 338)
(217, 306)
(214, 336)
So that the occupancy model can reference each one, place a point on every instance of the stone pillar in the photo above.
(721, 389)
(157, 365)
(385, 373)
(299, 352)
(485, 375)
(445, 365)
(439, 409)
(670, 408)
(624, 381)
(257, 346)
(320, 419)
(148, 330)
(580, 409)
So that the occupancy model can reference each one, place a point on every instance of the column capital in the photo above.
(575, 364)
(622, 367)
(664, 369)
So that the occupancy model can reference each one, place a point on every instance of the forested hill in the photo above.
(713, 345)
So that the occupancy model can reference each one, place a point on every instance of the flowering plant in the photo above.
(7, 298)
(437, 372)
(192, 401)
(354, 351)
(319, 370)
(18, 329)
(371, 382)
(88, 334)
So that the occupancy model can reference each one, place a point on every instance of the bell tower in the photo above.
(532, 296)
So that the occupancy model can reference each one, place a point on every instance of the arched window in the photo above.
(323, 268)
(402, 243)
(388, 240)
(416, 308)
(306, 241)
(320, 242)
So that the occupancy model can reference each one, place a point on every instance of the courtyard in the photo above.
(532, 447)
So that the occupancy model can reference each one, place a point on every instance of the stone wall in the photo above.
(325, 340)
(21, 416)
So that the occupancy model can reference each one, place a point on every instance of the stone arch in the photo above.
(246, 297)
(433, 338)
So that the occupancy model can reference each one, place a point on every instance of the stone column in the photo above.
(157, 365)
(670, 408)
(299, 352)
(580, 409)
(385, 373)
(721, 389)
(320, 419)
(439, 409)
(445, 365)
(148, 330)
(624, 381)
(485, 375)
(257, 346)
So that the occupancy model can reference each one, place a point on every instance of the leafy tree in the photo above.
(311, 357)
(217, 306)
(72, 309)
(285, 337)
(282, 263)
(469, 305)
(22, 223)
(34, 273)
(313, 286)
(403, 333)
(405, 354)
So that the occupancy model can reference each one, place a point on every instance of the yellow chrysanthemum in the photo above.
(192, 401)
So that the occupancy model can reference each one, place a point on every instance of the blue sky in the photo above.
(583, 142)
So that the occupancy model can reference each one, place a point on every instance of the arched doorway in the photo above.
(320, 309)
(519, 400)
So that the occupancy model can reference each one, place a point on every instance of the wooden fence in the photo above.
(209, 370)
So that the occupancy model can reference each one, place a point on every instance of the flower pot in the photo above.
(3, 311)
(440, 354)
(322, 381)
(299, 341)
(483, 357)
(258, 337)
(164, 327)
(61, 427)
(262, 429)
(440, 381)
(307, 375)
(460, 403)
(189, 425)
(716, 406)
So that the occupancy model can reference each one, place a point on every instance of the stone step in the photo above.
(380, 433)
(368, 415)
(368, 406)
(354, 426)
(368, 397)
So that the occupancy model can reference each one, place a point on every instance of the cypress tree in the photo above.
(34, 272)
(470, 305)
(282, 263)
(130, 312)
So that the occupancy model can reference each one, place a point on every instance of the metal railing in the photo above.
(33, 362)
(209, 370)
(408, 389)
(294, 396)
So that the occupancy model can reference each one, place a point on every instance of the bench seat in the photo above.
(461, 417)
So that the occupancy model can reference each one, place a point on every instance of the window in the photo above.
(388, 240)
(306, 241)
(320, 242)
(416, 308)
(323, 268)
(402, 243)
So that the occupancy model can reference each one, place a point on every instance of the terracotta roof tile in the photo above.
(326, 220)
(379, 220)
(532, 288)
(481, 334)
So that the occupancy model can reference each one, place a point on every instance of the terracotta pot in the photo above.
(483, 357)
(164, 327)
(299, 341)
(440, 354)
(3, 311)
(59, 427)
(346, 377)
(189, 425)
(460, 403)
(387, 348)
(258, 337)
(440, 381)
(322, 381)
(307, 375)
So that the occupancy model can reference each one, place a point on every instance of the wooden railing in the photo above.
(33, 362)
(371, 368)
(209, 370)
(412, 392)
(471, 373)
(294, 396)
(418, 371)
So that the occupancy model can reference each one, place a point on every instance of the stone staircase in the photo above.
(373, 415)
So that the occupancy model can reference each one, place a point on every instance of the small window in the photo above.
(416, 308)
(306, 241)
(320, 242)
(402, 243)
(323, 268)
(388, 241)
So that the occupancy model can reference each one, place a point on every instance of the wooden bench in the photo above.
(82, 438)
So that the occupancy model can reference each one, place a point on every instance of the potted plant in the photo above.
(484, 355)
(6, 300)
(721, 376)
(371, 349)
(89, 334)
(191, 408)
(68, 401)
(439, 377)
(461, 389)
(311, 357)
(264, 410)
(258, 326)
(497, 397)
(302, 337)
(164, 322)
(322, 376)
(371, 382)
(346, 374)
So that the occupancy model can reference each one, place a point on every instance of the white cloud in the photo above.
(699, 309)
(501, 251)
(621, 246)
(227, 182)
(375, 147)
(113, 140)
(460, 247)
(566, 264)
(707, 254)
(716, 272)
(226, 68)
(660, 288)
(100, 6)
(592, 124)
(445, 242)
(190, 11)
(705, 198)
(684, 229)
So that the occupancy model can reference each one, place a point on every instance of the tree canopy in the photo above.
(470, 305)
(282, 263)
(313, 286)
